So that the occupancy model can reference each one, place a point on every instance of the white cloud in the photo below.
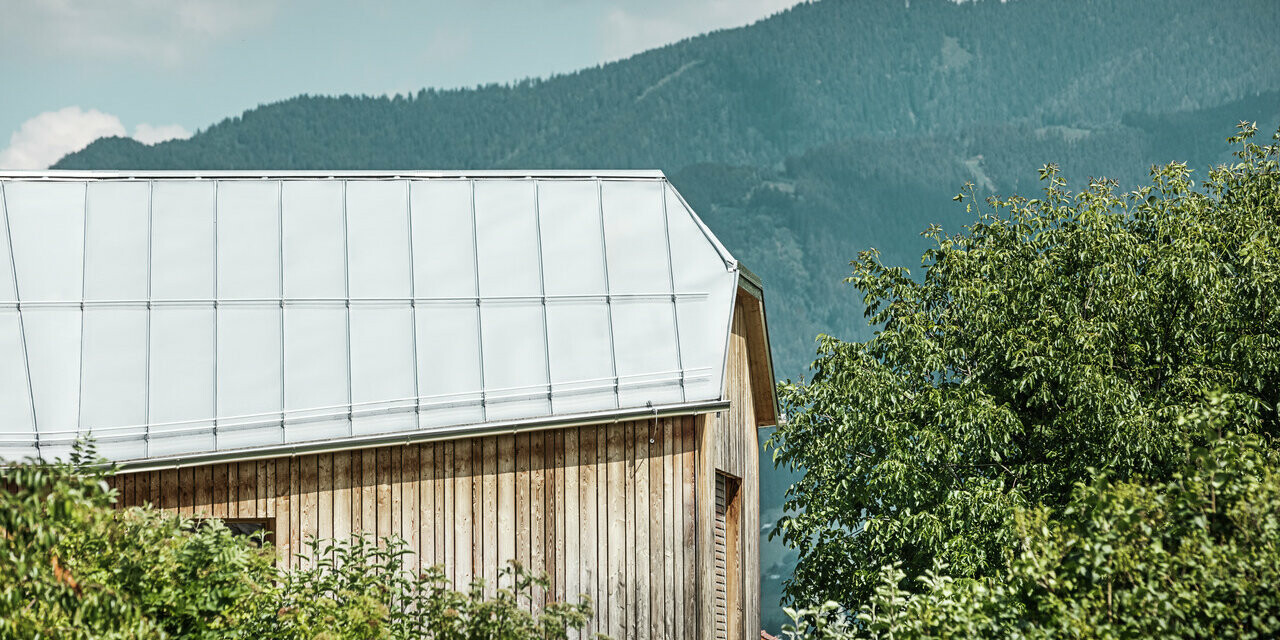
(42, 140)
(161, 31)
(631, 29)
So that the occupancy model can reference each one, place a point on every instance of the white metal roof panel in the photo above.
(184, 315)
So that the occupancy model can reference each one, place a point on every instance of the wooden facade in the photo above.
(624, 512)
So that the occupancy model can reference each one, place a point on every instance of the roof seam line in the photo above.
(22, 327)
(216, 313)
(475, 265)
(280, 265)
(542, 290)
(84, 261)
(608, 288)
(413, 306)
(675, 308)
(346, 284)
(146, 392)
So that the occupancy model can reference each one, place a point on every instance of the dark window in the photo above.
(248, 527)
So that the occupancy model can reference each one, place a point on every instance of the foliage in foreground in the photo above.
(1055, 338)
(72, 566)
(359, 589)
(1196, 556)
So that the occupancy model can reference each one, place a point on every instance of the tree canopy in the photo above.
(1058, 342)
(1197, 556)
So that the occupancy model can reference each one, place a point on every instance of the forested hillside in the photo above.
(827, 129)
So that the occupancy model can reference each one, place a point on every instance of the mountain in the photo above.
(824, 130)
(907, 101)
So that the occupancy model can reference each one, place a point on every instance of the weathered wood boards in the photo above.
(600, 509)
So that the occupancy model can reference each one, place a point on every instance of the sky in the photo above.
(155, 70)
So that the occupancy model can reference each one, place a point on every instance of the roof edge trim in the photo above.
(112, 174)
(730, 262)
(761, 357)
(422, 435)
(751, 282)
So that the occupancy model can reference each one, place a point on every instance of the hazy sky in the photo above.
(156, 69)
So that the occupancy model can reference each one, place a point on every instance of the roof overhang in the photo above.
(759, 352)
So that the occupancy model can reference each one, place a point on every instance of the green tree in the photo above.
(1196, 556)
(1055, 339)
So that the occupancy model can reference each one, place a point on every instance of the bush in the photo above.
(359, 589)
(72, 566)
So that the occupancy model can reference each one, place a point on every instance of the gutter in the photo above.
(430, 435)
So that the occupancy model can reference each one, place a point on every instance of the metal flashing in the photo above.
(751, 282)
(433, 435)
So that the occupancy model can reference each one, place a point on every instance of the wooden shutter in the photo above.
(722, 559)
(728, 606)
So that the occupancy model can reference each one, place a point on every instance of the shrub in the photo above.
(359, 589)
(72, 566)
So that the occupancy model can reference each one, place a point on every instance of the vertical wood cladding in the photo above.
(588, 506)
(727, 443)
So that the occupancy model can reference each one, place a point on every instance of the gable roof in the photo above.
(181, 317)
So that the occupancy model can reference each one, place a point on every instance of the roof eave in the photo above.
(424, 435)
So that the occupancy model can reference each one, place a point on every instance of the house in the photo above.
(562, 368)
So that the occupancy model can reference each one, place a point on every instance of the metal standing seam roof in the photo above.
(181, 317)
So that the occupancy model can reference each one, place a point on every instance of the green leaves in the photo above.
(72, 566)
(1195, 556)
(360, 589)
(1053, 340)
